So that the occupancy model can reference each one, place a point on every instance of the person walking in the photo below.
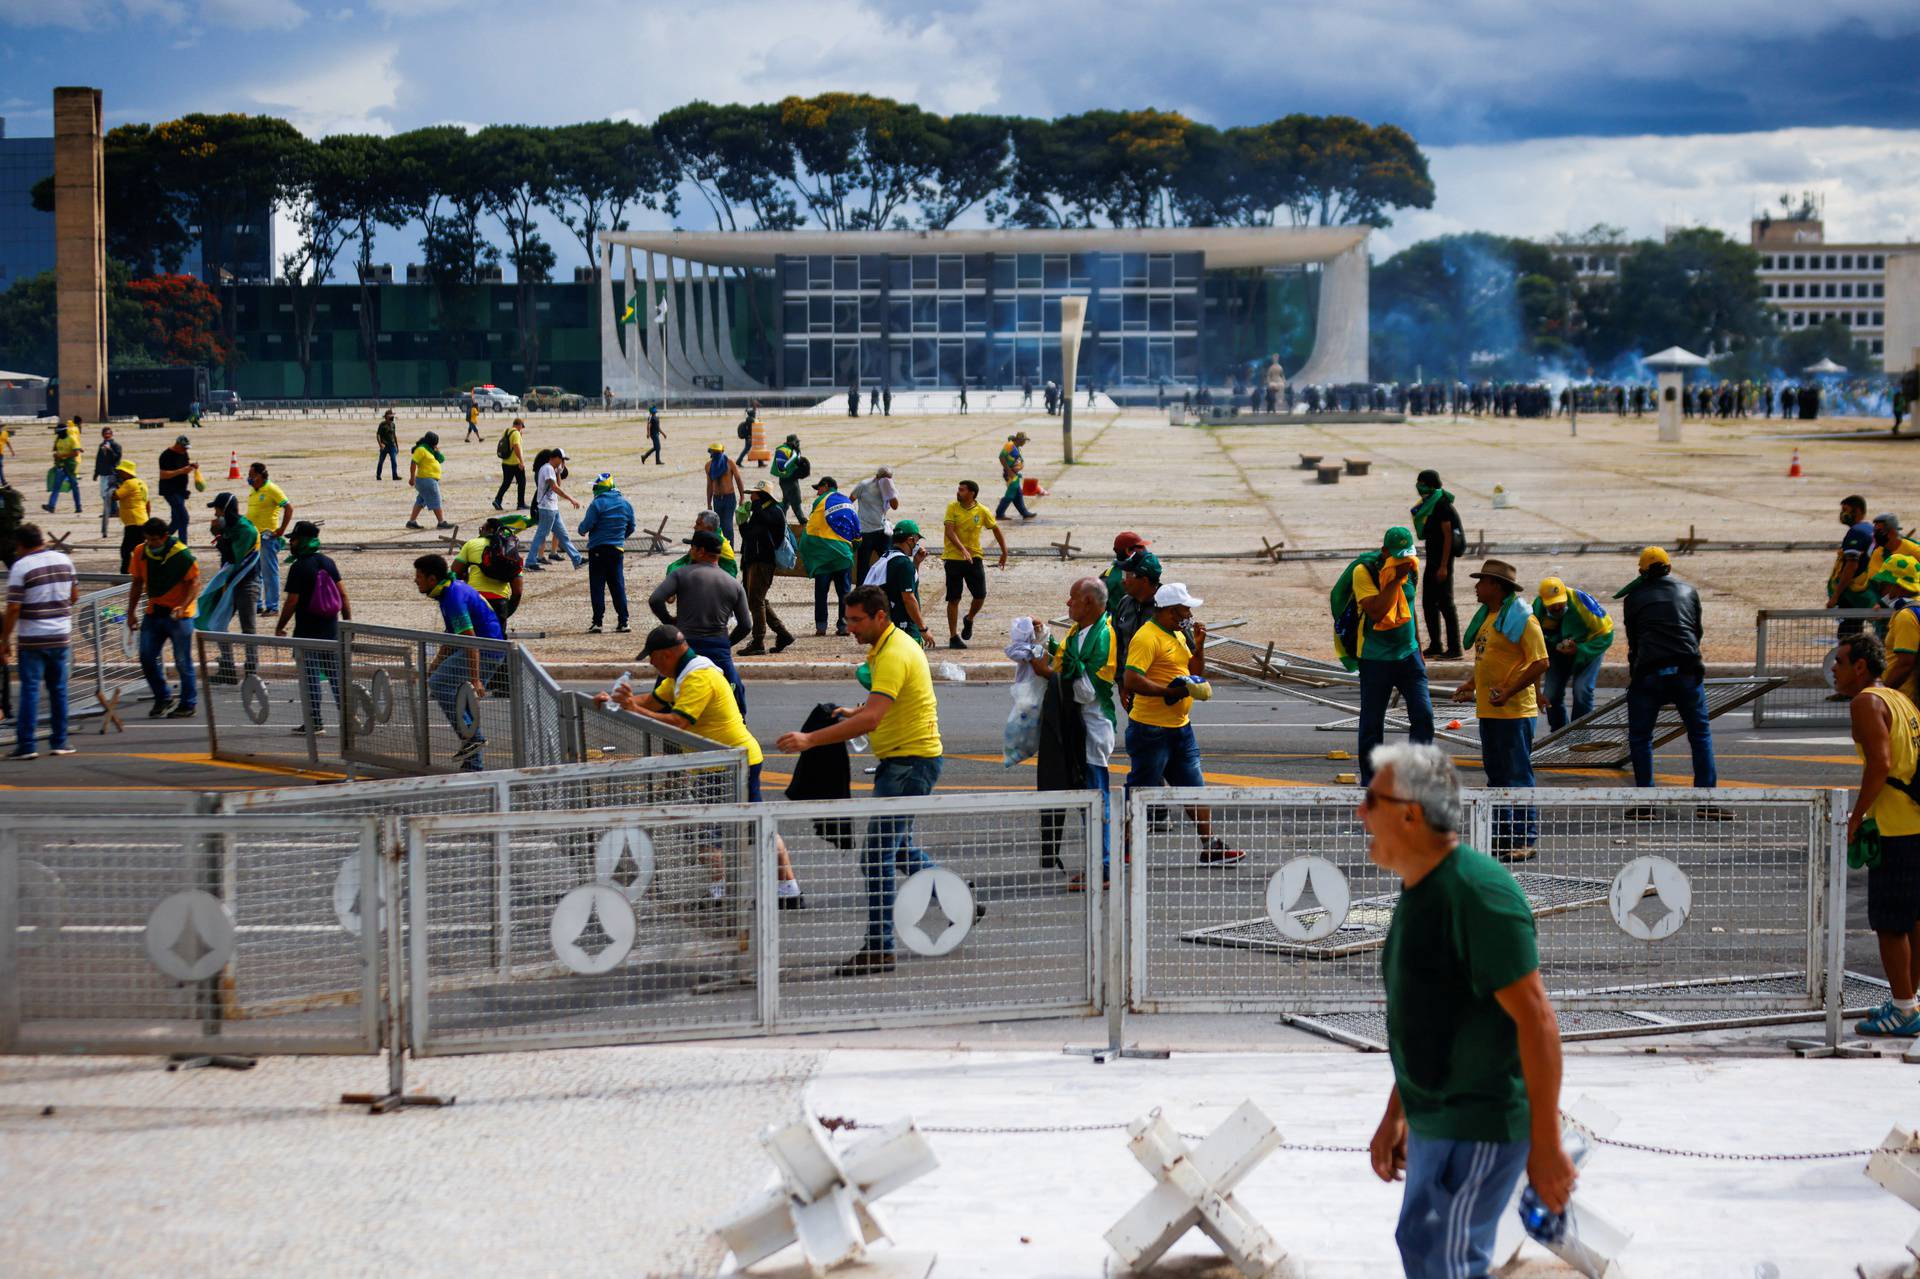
(1375, 634)
(41, 590)
(898, 574)
(901, 721)
(423, 472)
(106, 471)
(963, 395)
(826, 550)
(763, 532)
(473, 423)
(1437, 523)
(873, 399)
(232, 596)
(1164, 670)
(853, 399)
(1578, 632)
(315, 602)
(386, 442)
(607, 525)
(130, 500)
(271, 513)
(165, 572)
(1012, 465)
(1883, 827)
(492, 565)
(886, 400)
(550, 467)
(1509, 657)
(873, 498)
(710, 608)
(7, 450)
(790, 466)
(1664, 668)
(725, 488)
(966, 568)
(1085, 662)
(1473, 1038)
(655, 437)
(462, 612)
(745, 432)
(177, 471)
(513, 467)
(66, 465)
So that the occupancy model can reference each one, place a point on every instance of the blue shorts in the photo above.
(428, 491)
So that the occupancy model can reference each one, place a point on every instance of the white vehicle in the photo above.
(492, 397)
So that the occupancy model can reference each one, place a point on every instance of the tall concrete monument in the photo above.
(80, 252)
(1903, 312)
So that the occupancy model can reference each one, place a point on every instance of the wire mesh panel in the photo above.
(547, 930)
(1798, 645)
(1297, 923)
(422, 702)
(271, 700)
(208, 933)
(1598, 739)
(546, 736)
(1699, 890)
(711, 777)
(106, 655)
(940, 908)
(385, 700)
(607, 732)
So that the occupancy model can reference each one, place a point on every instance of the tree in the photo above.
(1057, 174)
(1351, 172)
(359, 174)
(439, 180)
(969, 168)
(514, 166)
(858, 160)
(1474, 305)
(29, 333)
(734, 157)
(1699, 290)
(145, 227)
(601, 169)
(182, 318)
(1795, 349)
(323, 221)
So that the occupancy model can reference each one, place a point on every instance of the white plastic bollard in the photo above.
(1895, 1168)
(824, 1201)
(1195, 1188)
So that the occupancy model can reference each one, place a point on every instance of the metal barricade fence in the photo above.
(106, 654)
(602, 731)
(411, 711)
(215, 934)
(1799, 643)
(545, 731)
(1722, 901)
(266, 698)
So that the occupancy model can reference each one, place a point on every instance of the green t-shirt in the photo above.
(1459, 935)
(903, 579)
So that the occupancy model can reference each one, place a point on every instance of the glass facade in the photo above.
(990, 319)
(26, 236)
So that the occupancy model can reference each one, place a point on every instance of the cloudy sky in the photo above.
(1539, 116)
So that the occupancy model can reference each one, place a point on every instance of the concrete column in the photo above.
(616, 366)
(723, 335)
(80, 252)
(1669, 385)
(1340, 334)
(1902, 343)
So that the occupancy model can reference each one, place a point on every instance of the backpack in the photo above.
(504, 449)
(1459, 540)
(498, 560)
(800, 468)
(745, 429)
(787, 554)
(326, 601)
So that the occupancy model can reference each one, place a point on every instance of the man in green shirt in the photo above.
(1375, 634)
(1475, 1046)
(898, 574)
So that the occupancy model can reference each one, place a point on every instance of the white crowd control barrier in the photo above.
(1798, 644)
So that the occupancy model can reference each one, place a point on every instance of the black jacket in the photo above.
(762, 532)
(824, 772)
(1062, 759)
(1663, 627)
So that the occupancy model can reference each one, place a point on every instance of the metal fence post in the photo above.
(398, 987)
(9, 940)
(423, 736)
(213, 731)
(1831, 836)
(767, 919)
(1759, 663)
(516, 660)
(1116, 966)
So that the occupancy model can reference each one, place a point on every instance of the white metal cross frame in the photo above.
(1895, 1167)
(1195, 1188)
(1592, 1245)
(824, 1200)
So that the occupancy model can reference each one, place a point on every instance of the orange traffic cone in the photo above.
(1793, 472)
(233, 464)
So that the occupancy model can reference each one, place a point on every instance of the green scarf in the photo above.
(1424, 512)
(1629, 588)
(421, 443)
(167, 569)
(1512, 622)
(300, 550)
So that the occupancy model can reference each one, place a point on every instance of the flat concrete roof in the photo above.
(1223, 246)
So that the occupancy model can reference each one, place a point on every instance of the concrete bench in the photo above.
(152, 423)
(1329, 474)
(1309, 460)
(1358, 465)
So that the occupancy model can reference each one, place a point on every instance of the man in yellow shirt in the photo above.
(130, 499)
(270, 512)
(424, 473)
(1164, 673)
(693, 693)
(1509, 656)
(901, 720)
(960, 550)
(1898, 582)
(1884, 826)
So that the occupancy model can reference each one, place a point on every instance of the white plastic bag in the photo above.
(1023, 721)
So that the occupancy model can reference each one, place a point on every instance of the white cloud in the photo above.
(349, 94)
(77, 15)
(1647, 184)
(171, 12)
(413, 8)
(253, 15)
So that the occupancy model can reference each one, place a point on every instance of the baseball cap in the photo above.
(906, 528)
(824, 482)
(562, 455)
(702, 540)
(1553, 591)
(221, 501)
(715, 448)
(1888, 518)
(1142, 564)
(182, 439)
(1176, 593)
(1397, 540)
(1129, 542)
(1654, 555)
(661, 637)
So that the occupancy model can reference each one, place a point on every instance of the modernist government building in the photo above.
(927, 310)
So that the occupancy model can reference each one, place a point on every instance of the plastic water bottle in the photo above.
(1540, 1221)
(858, 745)
(624, 684)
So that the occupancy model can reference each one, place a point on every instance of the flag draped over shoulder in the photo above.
(824, 549)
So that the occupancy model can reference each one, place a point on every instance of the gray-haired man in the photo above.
(1475, 1046)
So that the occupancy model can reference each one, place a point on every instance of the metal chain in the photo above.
(833, 1123)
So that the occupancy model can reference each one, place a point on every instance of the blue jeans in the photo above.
(724, 507)
(1506, 752)
(890, 840)
(1014, 498)
(37, 666)
(271, 546)
(840, 582)
(1645, 696)
(1456, 1194)
(445, 684)
(1378, 682)
(157, 633)
(389, 456)
(314, 667)
(1561, 676)
(1101, 779)
(550, 522)
(65, 480)
(716, 650)
(1163, 756)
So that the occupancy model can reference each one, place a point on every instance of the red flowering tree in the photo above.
(183, 320)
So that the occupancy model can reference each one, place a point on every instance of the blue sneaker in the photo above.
(1890, 1022)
